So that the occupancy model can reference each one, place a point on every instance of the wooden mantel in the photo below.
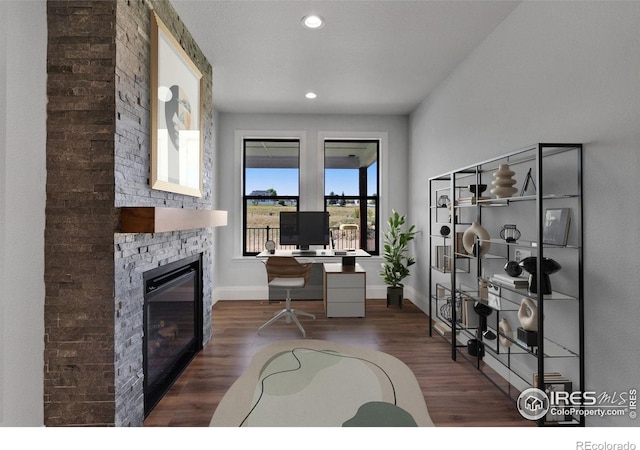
(149, 219)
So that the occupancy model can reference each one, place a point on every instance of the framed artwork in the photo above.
(556, 226)
(176, 119)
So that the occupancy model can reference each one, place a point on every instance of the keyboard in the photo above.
(304, 253)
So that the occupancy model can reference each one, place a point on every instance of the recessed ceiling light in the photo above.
(313, 22)
(310, 95)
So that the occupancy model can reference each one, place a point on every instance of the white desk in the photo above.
(321, 253)
(344, 284)
(344, 290)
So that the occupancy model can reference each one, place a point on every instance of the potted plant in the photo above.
(397, 261)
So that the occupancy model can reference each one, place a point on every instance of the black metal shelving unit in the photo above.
(553, 174)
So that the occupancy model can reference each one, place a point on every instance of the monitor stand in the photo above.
(303, 250)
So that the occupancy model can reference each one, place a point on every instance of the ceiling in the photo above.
(370, 57)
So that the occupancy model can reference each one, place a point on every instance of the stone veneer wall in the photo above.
(98, 160)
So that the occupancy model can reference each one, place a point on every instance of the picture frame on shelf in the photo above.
(520, 254)
(176, 115)
(443, 257)
(494, 295)
(459, 245)
(528, 185)
(555, 230)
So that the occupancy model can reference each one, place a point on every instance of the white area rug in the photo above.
(314, 383)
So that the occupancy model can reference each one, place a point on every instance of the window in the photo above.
(271, 185)
(351, 193)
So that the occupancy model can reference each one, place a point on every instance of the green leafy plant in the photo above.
(396, 246)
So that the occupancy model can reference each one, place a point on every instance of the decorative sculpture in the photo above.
(468, 239)
(528, 315)
(549, 266)
(505, 330)
(512, 269)
(503, 182)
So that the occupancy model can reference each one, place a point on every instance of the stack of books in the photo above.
(470, 200)
(551, 378)
(555, 382)
(507, 280)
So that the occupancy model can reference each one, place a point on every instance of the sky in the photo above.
(285, 181)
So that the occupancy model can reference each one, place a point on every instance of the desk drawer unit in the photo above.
(344, 290)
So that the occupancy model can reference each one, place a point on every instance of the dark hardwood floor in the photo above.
(455, 392)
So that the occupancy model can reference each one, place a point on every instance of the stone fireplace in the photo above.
(98, 153)
(172, 320)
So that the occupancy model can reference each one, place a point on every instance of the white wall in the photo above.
(244, 278)
(23, 40)
(557, 72)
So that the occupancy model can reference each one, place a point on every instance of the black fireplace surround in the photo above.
(172, 324)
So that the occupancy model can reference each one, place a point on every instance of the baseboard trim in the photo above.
(262, 293)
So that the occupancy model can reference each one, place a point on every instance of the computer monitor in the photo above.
(304, 228)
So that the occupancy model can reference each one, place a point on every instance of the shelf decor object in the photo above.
(477, 189)
(549, 266)
(469, 240)
(505, 331)
(503, 182)
(528, 318)
(556, 226)
(443, 201)
(513, 269)
(510, 233)
(528, 315)
(528, 184)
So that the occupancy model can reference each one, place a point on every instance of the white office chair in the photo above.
(287, 273)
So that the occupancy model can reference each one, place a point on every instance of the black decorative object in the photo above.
(527, 182)
(510, 233)
(549, 266)
(530, 338)
(513, 269)
(445, 230)
(475, 347)
(483, 311)
(477, 189)
(443, 201)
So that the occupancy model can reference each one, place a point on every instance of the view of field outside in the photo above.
(261, 215)
(271, 185)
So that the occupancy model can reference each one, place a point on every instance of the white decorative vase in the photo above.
(468, 239)
(505, 328)
(528, 315)
(503, 182)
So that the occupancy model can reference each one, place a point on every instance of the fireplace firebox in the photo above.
(172, 324)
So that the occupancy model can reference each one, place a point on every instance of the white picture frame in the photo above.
(176, 115)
